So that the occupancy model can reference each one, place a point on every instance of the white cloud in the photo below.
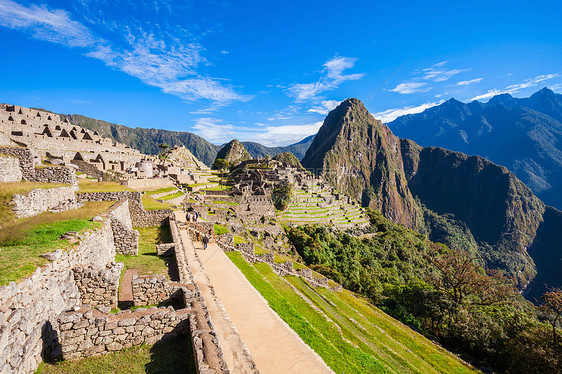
(556, 87)
(325, 107)
(164, 59)
(332, 79)
(438, 72)
(411, 87)
(487, 95)
(514, 88)
(391, 114)
(284, 135)
(45, 24)
(434, 73)
(531, 82)
(214, 130)
(472, 81)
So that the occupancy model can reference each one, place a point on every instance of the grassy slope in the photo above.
(24, 240)
(174, 356)
(347, 332)
(148, 261)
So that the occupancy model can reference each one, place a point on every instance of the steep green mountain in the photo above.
(233, 152)
(289, 159)
(501, 213)
(464, 201)
(359, 156)
(525, 135)
(257, 150)
(147, 140)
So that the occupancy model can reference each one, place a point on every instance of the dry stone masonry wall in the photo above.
(89, 332)
(10, 170)
(28, 309)
(98, 286)
(126, 239)
(153, 290)
(39, 200)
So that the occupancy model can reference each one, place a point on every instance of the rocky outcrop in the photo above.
(289, 159)
(361, 157)
(233, 152)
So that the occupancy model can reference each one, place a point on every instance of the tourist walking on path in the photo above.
(205, 241)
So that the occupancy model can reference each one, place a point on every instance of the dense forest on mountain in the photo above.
(446, 294)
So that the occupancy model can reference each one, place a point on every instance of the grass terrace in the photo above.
(86, 185)
(172, 356)
(22, 241)
(160, 190)
(172, 196)
(148, 262)
(351, 335)
(150, 204)
(220, 229)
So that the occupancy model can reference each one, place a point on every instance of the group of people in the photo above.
(193, 217)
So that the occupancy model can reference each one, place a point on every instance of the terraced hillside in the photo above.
(350, 335)
(308, 207)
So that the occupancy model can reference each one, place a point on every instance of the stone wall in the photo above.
(28, 309)
(149, 184)
(153, 290)
(98, 286)
(165, 249)
(40, 200)
(49, 174)
(10, 170)
(126, 239)
(139, 216)
(89, 332)
(55, 174)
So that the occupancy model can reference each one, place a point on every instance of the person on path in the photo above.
(205, 241)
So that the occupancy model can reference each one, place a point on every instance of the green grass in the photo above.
(374, 343)
(219, 188)
(224, 202)
(173, 356)
(148, 262)
(86, 185)
(220, 229)
(239, 239)
(172, 196)
(160, 190)
(150, 204)
(23, 241)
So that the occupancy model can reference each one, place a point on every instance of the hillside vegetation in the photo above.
(348, 333)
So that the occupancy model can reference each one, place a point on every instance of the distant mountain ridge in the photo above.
(463, 201)
(525, 135)
(147, 140)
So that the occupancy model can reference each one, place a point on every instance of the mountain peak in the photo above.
(234, 152)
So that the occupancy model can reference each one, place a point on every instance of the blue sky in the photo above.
(270, 71)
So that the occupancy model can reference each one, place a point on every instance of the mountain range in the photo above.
(147, 140)
(466, 202)
(525, 135)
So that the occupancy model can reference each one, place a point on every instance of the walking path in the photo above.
(126, 292)
(274, 346)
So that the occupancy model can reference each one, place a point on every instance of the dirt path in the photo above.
(236, 354)
(275, 347)
(126, 292)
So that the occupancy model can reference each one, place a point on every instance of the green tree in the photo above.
(221, 165)
(552, 308)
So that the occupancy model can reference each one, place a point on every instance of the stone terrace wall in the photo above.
(25, 157)
(88, 332)
(51, 174)
(40, 200)
(28, 309)
(126, 239)
(98, 287)
(152, 290)
(10, 170)
(139, 216)
(55, 174)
